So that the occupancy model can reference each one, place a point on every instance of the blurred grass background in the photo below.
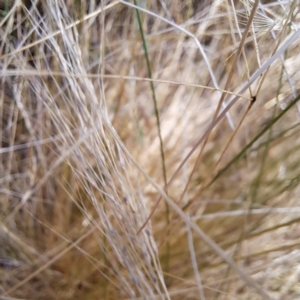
(107, 107)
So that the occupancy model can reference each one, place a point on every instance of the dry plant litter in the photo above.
(149, 149)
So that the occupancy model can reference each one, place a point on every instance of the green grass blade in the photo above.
(244, 150)
(157, 120)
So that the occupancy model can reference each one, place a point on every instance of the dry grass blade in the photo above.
(80, 157)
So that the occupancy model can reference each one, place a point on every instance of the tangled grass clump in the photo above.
(149, 149)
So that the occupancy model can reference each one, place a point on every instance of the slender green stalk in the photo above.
(157, 123)
(256, 185)
(259, 177)
(247, 147)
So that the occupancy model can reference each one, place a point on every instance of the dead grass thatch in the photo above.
(149, 149)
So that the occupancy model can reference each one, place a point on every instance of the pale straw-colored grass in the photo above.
(86, 210)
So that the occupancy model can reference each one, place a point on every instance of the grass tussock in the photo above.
(149, 149)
